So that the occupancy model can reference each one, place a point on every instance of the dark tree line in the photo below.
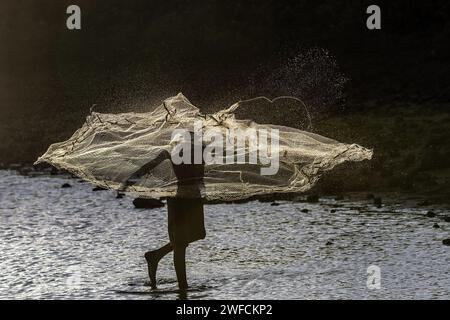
(130, 54)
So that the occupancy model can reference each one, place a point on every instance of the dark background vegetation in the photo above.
(131, 54)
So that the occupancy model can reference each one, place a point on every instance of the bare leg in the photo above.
(153, 258)
(179, 261)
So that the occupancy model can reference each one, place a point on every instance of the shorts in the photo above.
(186, 222)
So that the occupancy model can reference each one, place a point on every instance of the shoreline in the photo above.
(375, 197)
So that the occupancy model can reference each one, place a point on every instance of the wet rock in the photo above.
(332, 210)
(312, 198)
(274, 204)
(446, 242)
(144, 203)
(120, 195)
(304, 210)
(377, 202)
(431, 214)
(446, 219)
(275, 197)
(240, 201)
(99, 189)
(66, 185)
(329, 243)
(436, 226)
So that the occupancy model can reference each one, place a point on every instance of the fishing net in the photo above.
(110, 148)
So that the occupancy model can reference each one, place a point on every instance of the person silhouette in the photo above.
(185, 212)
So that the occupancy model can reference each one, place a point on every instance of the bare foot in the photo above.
(152, 264)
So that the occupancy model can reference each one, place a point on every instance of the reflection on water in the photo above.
(74, 243)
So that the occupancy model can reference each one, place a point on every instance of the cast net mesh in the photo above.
(109, 148)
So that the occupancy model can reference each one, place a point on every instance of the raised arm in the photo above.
(132, 179)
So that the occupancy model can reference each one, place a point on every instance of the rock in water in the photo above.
(120, 195)
(274, 204)
(431, 214)
(99, 189)
(446, 242)
(144, 203)
(329, 243)
(446, 219)
(66, 185)
(304, 210)
(242, 200)
(436, 226)
(332, 210)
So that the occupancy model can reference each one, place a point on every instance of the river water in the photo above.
(66, 243)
